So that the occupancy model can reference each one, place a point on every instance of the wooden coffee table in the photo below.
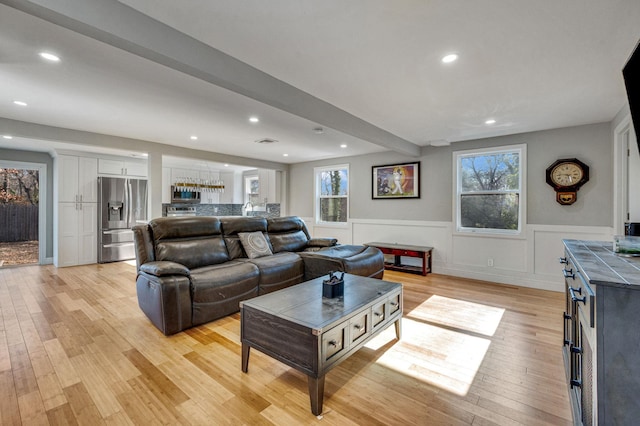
(312, 334)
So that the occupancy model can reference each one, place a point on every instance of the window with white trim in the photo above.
(490, 190)
(332, 194)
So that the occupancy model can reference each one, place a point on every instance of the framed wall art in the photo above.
(396, 181)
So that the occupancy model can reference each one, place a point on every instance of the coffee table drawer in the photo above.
(334, 342)
(379, 312)
(394, 303)
(359, 326)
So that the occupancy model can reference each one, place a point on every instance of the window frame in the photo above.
(521, 149)
(317, 171)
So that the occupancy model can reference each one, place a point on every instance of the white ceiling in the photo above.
(528, 65)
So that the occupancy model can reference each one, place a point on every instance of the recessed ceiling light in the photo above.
(7, 137)
(490, 121)
(21, 103)
(285, 155)
(344, 145)
(449, 58)
(254, 119)
(49, 56)
(226, 165)
(194, 138)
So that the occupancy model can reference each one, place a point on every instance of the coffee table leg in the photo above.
(398, 325)
(245, 357)
(316, 394)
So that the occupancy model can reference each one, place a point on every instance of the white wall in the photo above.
(531, 260)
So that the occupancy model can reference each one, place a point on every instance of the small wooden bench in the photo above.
(399, 250)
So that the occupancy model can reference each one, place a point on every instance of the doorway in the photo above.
(21, 213)
(626, 176)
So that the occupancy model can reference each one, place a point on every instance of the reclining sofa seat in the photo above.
(185, 275)
(193, 270)
(282, 269)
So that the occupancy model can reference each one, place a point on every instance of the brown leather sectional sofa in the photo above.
(192, 270)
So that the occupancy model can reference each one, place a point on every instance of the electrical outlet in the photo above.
(490, 262)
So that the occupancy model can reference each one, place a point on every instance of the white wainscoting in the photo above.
(529, 262)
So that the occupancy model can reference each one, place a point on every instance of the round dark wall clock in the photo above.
(566, 176)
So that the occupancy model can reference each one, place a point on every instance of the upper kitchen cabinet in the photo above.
(77, 179)
(209, 178)
(128, 167)
(166, 185)
(269, 186)
(232, 188)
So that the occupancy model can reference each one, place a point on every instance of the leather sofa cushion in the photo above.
(286, 224)
(144, 244)
(168, 228)
(322, 242)
(191, 241)
(353, 259)
(234, 247)
(290, 241)
(217, 290)
(279, 271)
(231, 226)
(193, 253)
(234, 225)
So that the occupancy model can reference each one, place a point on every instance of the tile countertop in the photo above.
(599, 265)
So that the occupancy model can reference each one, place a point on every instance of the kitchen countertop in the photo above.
(599, 265)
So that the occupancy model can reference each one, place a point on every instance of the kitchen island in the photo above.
(601, 339)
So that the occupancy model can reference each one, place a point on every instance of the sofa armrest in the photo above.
(322, 242)
(165, 268)
(166, 301)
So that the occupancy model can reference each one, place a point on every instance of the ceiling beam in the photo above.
(33, 131)
(123, 27)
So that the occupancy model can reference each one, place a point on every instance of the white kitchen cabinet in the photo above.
(122, 167)
(209, 197)
(267, 186)
(77, 179)
(227, 197)
(166, 185)
(76, 226)
(77, 234)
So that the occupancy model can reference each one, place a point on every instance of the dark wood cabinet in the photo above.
(602, 341)
(313, 334)
(400, 250)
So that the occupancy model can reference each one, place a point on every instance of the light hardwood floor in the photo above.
(76, 349)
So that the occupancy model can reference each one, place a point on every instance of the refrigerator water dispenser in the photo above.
(115, 210)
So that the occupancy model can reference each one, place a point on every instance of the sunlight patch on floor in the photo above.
(442, 342)
(459, 314)
(442, 357)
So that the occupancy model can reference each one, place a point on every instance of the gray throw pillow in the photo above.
(255, 244)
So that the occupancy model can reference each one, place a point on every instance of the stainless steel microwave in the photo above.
(179, 195)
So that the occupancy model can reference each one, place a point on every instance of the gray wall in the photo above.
(40, 158)
(592, 144)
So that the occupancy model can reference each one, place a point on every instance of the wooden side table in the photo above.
(399, 250)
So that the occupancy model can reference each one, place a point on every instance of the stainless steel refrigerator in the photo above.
(122, 203)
